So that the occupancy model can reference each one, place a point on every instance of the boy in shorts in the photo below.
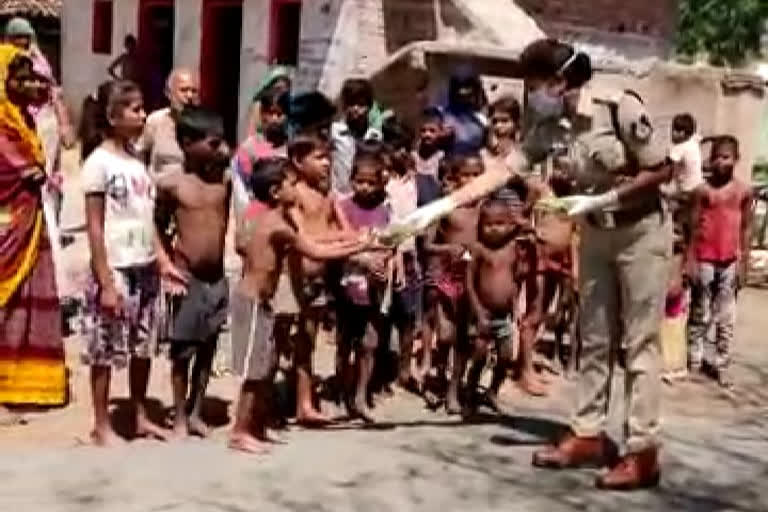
(197, 201)
(314, 214)
(268, 240)
(499, 270)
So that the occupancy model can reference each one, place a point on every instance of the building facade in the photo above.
(233, 42)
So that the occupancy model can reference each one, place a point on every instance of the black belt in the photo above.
(622, 218)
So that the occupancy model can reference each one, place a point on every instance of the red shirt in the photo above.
(718, 235)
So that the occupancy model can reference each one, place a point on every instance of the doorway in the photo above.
(284, 32)
(220, 61)
(156, 34)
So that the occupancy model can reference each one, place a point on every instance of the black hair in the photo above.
(93, 121)
(119, 95)
(357, 91)
(509, 105)
(130, 40)
(548, 58)
(459, 161)
(472, 81)
(397, 135)
(266, 174)
(195, 123)
(684, 123)
(371, 154)
(432, 115)
(725, 140)
(495, 201)
(270, 99)
(309, 112)
(20, 61)
(301, 146)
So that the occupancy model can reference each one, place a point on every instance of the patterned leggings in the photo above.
(713, 302)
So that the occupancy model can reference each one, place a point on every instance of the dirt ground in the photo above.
(715, 456)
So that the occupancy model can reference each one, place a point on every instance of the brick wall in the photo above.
(653, 18)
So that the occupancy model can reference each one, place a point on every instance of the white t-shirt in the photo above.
(688, 154)
(129, 201)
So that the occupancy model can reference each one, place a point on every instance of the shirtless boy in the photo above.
(198, 203)
(314, 215)
(496, 274)
(268, 241)
(448, 245)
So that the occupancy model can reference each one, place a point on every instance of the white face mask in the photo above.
(544, 106)
(542, 116)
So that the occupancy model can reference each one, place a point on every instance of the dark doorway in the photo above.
(156, 34)
(220, 60)
(285, 29)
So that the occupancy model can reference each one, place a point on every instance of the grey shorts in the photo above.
(254, 354)
(500, 331)
(200, 314)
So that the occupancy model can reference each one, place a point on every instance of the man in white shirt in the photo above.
(158, 143)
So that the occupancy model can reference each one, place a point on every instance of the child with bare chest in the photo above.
(496, 274)
(448, 247)
(314, 214)
(268, 241)
(198, 202)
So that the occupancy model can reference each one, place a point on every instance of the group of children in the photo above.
(479, 283)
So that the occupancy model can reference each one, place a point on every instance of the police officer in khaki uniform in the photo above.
(626, 244)
(626, 247)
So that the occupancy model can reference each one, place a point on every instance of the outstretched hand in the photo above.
(174, 279)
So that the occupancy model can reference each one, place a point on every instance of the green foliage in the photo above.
(728, 31)
(760, 173)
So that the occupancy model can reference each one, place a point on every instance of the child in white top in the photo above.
(686, 152)
(126, 263)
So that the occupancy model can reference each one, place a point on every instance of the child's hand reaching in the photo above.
(175, 281)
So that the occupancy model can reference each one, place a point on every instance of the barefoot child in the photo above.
(126, 263)
(449, 243)
(403, 199)
(314, 215)
(197, 201)
(364, 280)
(268, 241)
(718, 256)
(494, 280)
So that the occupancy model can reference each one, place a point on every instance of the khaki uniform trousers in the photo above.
(623, 274)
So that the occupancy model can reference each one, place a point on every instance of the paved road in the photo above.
(716, 457)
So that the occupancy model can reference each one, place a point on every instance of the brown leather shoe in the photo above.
(634, 471)
(577, 452)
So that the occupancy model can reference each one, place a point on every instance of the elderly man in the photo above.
(159, 140)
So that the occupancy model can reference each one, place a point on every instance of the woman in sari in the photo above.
(51, 118)
(31, 348)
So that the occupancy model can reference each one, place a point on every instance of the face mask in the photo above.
(542, 105)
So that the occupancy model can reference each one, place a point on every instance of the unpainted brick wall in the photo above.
(654, 18)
